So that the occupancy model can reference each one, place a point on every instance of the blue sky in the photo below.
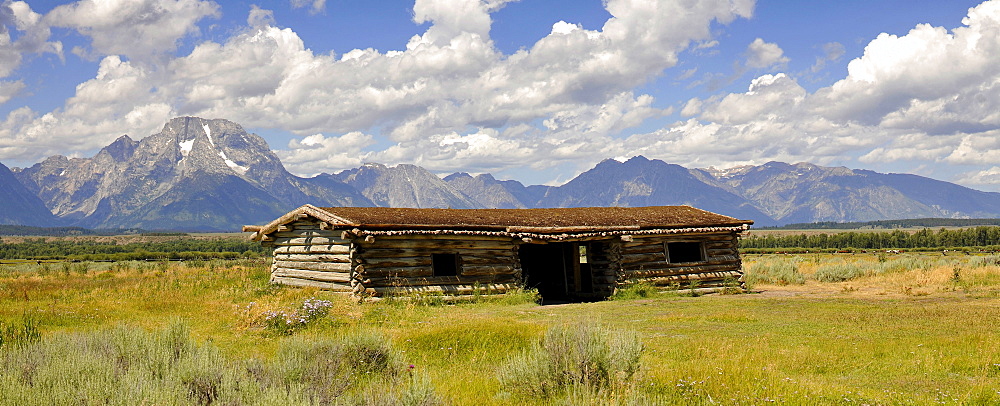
(530, 90)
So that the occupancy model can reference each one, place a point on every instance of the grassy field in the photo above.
(817, 329)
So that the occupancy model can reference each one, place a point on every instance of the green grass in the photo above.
(905, 333)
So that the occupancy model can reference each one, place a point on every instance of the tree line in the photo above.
(887, 224)
(7, 229)
(183, 248)
(982, 237)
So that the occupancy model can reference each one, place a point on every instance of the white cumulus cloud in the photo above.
(761, 55)
(932, 95)
(137, 29)
(450, 95)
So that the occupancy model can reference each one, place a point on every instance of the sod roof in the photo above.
(599, 217)
(509, 221)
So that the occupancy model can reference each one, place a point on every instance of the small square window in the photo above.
(679, 252)
(445, 264)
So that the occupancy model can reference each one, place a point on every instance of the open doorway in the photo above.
(560, 271)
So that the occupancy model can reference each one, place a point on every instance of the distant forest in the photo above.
(987, 237)
(183, 248)
(69, 231)
(887, 224)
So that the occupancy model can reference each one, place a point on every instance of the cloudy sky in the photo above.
(534, 90)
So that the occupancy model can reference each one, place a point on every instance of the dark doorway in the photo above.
(544, 268)
(560, 271)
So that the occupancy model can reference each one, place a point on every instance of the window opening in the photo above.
(678, 252)
(445, 264)
(583, 254)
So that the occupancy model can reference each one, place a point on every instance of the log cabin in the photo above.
(567, 254)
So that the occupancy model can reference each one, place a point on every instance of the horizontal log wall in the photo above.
(493, 288)
(399, 265)
(308, 256)
(644, 260)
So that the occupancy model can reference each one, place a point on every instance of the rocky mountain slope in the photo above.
(19, 206)
(194, 174)
(803, 193)
(404, 186)
(199, 174)
(488, 192)
(644, 182)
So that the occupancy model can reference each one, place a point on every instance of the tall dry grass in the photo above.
(879, 273)
(889, 329)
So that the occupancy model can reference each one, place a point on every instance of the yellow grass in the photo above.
(913, 334)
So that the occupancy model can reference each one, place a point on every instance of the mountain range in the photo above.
(201, 175)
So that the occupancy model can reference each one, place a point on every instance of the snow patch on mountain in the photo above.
(208, 132)
(229, 162)
(186, 146)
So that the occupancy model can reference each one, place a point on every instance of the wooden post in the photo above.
(575, 258)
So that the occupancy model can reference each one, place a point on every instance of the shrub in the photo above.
(639, 290)
(903, 264)
(326, 371)
(838, 272)
(125, 365)
(989, 260)
(582, 356)
(19, 334)
(781, 272)
(286, 322)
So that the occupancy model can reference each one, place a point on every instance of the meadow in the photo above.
(874, 328)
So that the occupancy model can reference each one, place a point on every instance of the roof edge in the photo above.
(561, 236)
(293, 215)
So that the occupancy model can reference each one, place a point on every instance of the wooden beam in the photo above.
(321, 276)
(443, 290)
(315, 266)
(331, 286)
(312, 257)
(454, 237)
(313, 249)
(415, 252)
(648, 273)
(307, 233)
(440, 244)
(310, 241)
(438, 280)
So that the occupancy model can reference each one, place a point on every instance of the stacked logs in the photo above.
(312, 254)
(306, 255)
(644, 260)
(400, 265)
